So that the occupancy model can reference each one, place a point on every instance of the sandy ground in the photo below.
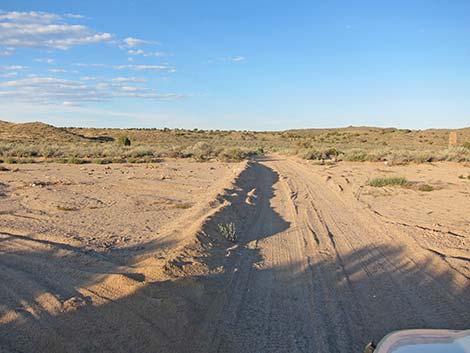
(130, 259)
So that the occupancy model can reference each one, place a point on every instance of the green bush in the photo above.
(102, 161)
(355, 156)
(201, 151)
(124, 140)
(74, 160)
(10, 160)
(425, 187)
(232, 155)
(390, 181)
(227, 230)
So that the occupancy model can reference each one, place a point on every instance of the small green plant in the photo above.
(183, 205)
(227, 230)
(102, 161)
(425, 187)
(464, 177)
(58, 160)
(124, 140)
(10, 160)
(390, 181)
(74, 160)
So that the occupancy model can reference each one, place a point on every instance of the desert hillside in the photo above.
(38, 142)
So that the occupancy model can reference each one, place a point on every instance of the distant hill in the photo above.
(36, 131)
(42, 136)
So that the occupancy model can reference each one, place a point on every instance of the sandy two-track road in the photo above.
(315, 269)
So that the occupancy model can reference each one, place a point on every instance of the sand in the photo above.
(129, 258)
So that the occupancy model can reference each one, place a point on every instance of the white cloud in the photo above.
(28, 17)
(146, 54)
(5, 52)
(130, 67)
(136, 52)
(145, 68)
(134, 42)
(70, 104)
(51, 90)
(88, 78)
(129, 88)
(57, 71)
(9, 74)
(76, 16)
(90, 65)
(15, 67)
(238, 59)
(128, 79)
(45, 60)
(35, 29)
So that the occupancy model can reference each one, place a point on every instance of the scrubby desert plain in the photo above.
(229, 241)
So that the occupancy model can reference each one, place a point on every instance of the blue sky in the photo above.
(263, 65)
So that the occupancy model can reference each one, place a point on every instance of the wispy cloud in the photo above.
(130, 42)
(14, 67)
(90, 65)
(145, 68)
(58, 71)
(146, 54)
(238, 59)
(36, 29)
(76, 16)
(8, 74)
(45, 60)
(88, 78)
(52, 90)
(128, 79)
(165, 68)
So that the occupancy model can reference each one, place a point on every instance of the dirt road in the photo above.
(325, 274)
(314, 270)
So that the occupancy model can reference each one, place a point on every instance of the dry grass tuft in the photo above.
(388, 181)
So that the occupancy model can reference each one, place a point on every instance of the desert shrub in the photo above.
(11, 160)
(173, 153)
(425, 187)
(26, 151)
(52, 151)
(201, 151)
(74, 160)
(183, 205)
(466, 145)
(140, 152)
(331, 153)
(102, 161)
(456, 154)
(24, 160)
(232, 155)
(259, 151)
(132, 160)
(388, 181)
(311, 154)
(59, 160)
(227, 230)
(354, 155)
(123, 140)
